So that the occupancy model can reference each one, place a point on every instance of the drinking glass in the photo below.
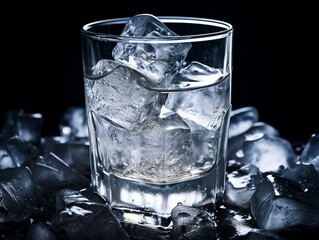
(158, 102)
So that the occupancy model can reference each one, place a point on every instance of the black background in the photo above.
(273, 56)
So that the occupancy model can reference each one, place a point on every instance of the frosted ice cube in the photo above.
(158, 61)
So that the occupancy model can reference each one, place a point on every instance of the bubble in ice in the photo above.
(105, 96)
(158, 61)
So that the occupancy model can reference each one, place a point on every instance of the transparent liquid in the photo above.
(146, 166)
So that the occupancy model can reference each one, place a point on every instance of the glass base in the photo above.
(151, 204)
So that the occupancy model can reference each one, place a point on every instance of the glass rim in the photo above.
(226, 29)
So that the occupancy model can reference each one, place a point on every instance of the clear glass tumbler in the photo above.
(158, 99)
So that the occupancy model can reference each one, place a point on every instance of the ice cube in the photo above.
(158, 61)
(195, 75)
(51, 173)
(204, 106)
(14, 152)
(105, 96)
(241, 184)
(279, 203)
(310, 152)
(235, 143)
(303, 173)
(87, 220)
(192, 223)
(20, 197)
(74, 152)
(268, 153)
(241, 120)
(160, 152)
(73, 123)
(26, 125)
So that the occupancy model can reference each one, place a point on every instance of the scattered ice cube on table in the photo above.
(158, 61)
(190, 223)
(87, 220)
(14, 152)
(20, 196)
(241, 184)
(26, 125)
(279, 203)
(73, 123)
(241, 120)
(51, 173)
(268, 153)
(235, 143)
(310, 153)
(74, 152)
(305, 174)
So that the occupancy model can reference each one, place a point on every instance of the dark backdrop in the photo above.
(272, 70)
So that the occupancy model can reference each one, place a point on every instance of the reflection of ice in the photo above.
(158, 61)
